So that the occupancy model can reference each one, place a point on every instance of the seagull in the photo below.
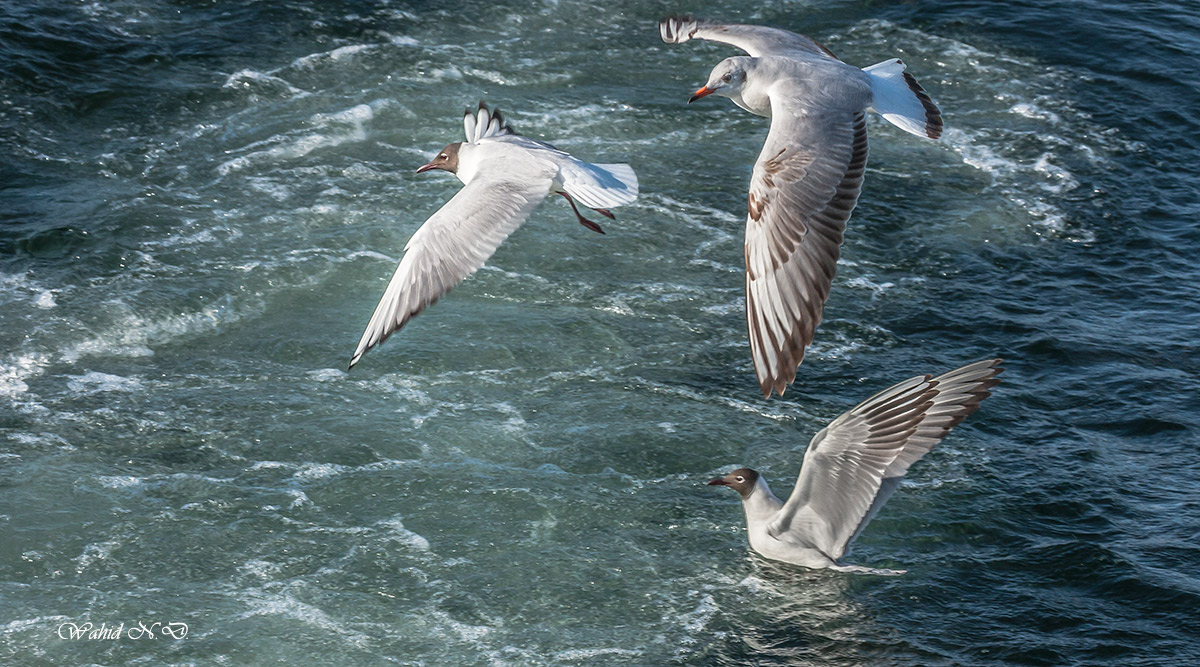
(505, 176)
(809, 174)
(854, 465)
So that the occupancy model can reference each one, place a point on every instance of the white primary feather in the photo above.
(454, 243)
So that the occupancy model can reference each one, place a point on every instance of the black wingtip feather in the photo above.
(933, 115)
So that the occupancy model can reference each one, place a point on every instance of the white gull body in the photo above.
(505, 176)
(809, 174)
(854, 465)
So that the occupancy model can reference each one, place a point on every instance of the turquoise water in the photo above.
(201, 203)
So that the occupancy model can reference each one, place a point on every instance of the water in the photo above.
(203, 201)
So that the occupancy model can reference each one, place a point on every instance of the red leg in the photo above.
(582, 220)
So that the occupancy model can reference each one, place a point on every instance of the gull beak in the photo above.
(703, 92)
(720, 481)
(426, 167)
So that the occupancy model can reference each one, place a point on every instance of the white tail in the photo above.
(902, 101)
(600, 185)
(484, 123)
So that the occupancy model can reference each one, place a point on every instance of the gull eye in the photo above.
(443, 156)
(741, 479)
(727, 77)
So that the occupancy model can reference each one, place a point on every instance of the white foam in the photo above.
(1030, 110)
(272, 465)
(342, 53)
(347, 126)
(97, 551)
(11, 383)
(283, 603)
(248, 79)
(327, 374)
(119, 481)
(450, 73)
(38, 624)
(18, 368)
(1060, 180)
(465, 631)
(590, 653)
(309, 472)
(395, 528)
(131, 334)
(41, 439)
(863, 282)
(299, 498)
(94, 382)
(260, 569)
(270, 187)
(618, 306)
(23, 286)
(45, 300)
(345, 52)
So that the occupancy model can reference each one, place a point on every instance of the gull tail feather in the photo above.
(482, 123)
(902, 101)
(601, 185)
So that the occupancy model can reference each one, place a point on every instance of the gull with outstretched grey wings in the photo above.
(505, 176)
(854, 465)
(808, 175)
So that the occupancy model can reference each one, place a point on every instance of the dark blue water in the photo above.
(200, 203)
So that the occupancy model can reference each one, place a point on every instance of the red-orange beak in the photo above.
(703, 92)
(426, 167)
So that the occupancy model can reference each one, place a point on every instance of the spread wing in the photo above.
(804, 187)
(853, 464)
(755, 40)
(455, 242)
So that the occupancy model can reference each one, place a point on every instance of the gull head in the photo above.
(447, 159)
(726, 79)
(742, 480)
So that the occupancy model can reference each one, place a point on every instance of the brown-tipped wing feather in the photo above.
(804, 187)
(755, 40)
(854, 463)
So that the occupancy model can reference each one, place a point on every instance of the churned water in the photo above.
(200, 203)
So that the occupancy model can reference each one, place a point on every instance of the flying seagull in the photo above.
(853, 465)
(809, 174)
(505, 176)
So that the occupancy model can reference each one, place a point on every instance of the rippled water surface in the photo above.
(200, 203)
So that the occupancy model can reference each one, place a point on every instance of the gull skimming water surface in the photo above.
(854, 465)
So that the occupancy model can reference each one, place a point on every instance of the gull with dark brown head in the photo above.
(505, 176)
(808, 175)
(854, 465)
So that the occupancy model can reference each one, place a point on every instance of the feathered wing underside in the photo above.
(804, 187)
(455, 242)
(852, 466)
(755, 40)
